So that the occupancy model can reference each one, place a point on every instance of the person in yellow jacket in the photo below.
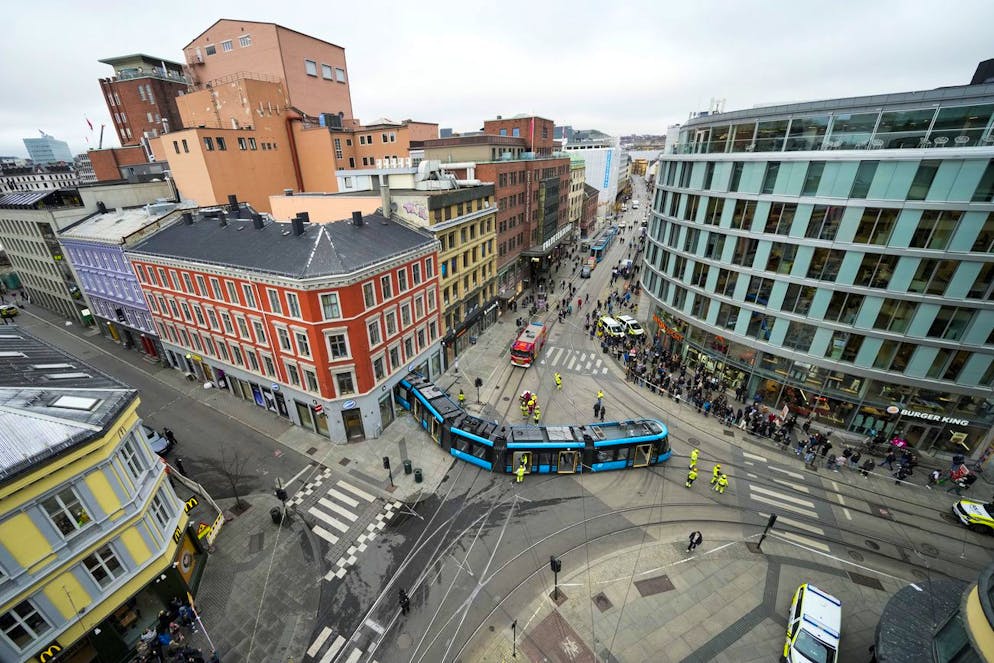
(538, 414)
(559, 381)
(722, 484)
(462, 397)
(694, 455)
(524, 410)
(691, 477)
(520, 472)
(715, 473)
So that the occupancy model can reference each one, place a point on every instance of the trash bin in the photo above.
(407, 467)
(275, 514)
(417, 476)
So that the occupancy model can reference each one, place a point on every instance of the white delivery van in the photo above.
(635, 204)
(632, 326)
(611, 327)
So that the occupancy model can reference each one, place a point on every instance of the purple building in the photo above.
(95, 249)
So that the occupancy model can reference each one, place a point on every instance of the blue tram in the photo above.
(595, 447)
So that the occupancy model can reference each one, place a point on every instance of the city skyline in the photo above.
(643, 69)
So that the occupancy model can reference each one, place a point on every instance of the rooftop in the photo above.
(116, 225)
(40, 199)
(50, 401)
(322, 249)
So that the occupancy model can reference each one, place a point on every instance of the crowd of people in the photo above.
(166, 640)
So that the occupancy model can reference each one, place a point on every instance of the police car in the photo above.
(976, 515)
(812, 627)
(632, 326)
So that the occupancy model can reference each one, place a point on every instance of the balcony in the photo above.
(156, 72)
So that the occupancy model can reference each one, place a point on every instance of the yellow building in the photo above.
(89, 524)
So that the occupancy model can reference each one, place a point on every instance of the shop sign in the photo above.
(935, 417)
(490, 308)
(348, 405)
(50, 652)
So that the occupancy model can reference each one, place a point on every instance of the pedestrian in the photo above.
(867, 467)
(933, 479)
(462, 398)
(179, 466)
(696, 539)
(405, 603)
(722, 484)
(889, 460)
(715, 473)
(597, 408)
(854, 460)
(902, 474)
(694, 455)
(520, 472)
(559, 381)
(603, 408)
(957, 486)
(691, 477)
(538, 415)
(168, 434)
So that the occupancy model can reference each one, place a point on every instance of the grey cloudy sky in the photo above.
(616, 66)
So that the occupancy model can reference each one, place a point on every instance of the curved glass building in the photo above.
(837, 258)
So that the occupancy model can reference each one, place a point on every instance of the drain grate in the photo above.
(928, 549)
(344, 461)
(255, 542)
(866, 581)
(602, 602)
(729, 433)
(651, 586)
(857, 556)
(312, 451)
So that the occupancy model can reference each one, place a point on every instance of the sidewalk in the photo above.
(726, 602)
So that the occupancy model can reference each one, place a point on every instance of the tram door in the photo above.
(417, 410)
(568, 462)
(519, 457)
(642, 454)
(436, 428)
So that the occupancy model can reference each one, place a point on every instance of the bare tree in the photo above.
(233, 467)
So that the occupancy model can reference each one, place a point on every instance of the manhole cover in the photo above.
(602, 602)
(872, 545)
(312, 451)
(866, 581)
(656, 585)
(344, 461)
(729, 433)
(856, 556)
(693, 440)
(506, 398)
(928, 549)
(492, 629)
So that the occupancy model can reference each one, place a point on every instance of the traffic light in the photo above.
(386, 462)
(555, 564)
(478, 383)
(281, 494)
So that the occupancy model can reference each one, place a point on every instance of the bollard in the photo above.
(417, 476)
(407, 467)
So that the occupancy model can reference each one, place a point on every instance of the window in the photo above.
(798, 298)
(932, 276)
(712, 215)
(216, 289)
(744, 211)
(416, 273)
(132, 458)
(374, 333)
(813, 178)
(923, 179)
(843, 307)
(875, 226)
(249, 295)
(780, 218)
(894, 355)
(268, 366)
(242, 144)
(243, 328)
(825, 264)
(186, 147)
(252, 145)
(759, 290)
(405, 315)
(284, 338)
(104, 566)
(402, 277)
(23, 624)
(232, 292)
(260, 332)
(950, 323)
(984, 283)
(391, 322)
(227, 46)
(329, 306)
(844, 346)
(338, 346)
(708, 175)
(934, 229)
(875, 270)
(344, 383)
(245, 40)
(226, 321)
(799, 336)
(311, 67)
(211, 50)
(770, 177)
(274, 301)
(311, 378)
(727, 316)
(726, 282)
(292, 305)
(864, 177)
(208, 143)
(736, 178)
(201, 286)
(339, 74)
(985, 188)
(66, 512)
(824, 222)
(187, 283)
(303, 346)
(895, 315)
(386, 287)
(200, 315)
(369, 295)
(293, 374)
(378, 369)
(326, 72)
(253, 360)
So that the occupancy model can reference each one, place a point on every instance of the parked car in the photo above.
(158, 443)
(585, 272)
(8, 310)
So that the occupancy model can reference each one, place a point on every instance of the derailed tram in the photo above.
(594, 447)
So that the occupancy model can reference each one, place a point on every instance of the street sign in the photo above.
(203, 529)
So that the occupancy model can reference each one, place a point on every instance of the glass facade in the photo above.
(838, 286)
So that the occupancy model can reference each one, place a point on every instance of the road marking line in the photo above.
(335, 646)
(787, 472)
(298, 475)
(749, 462)
(789, 498)
(751, 475)
(794, 486)
(319, 642)
(318, 513)
(375, 626)
(325, 534)
(354, 656)
(845, 511)
(572, 360)
(845, 561)
(352, 489)
(781, 505)
(795, 523)
(754, 456)
(797, 538)
(340, 510)
(342, 497)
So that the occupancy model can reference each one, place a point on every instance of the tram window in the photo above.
(461, 443)
(623, 453)
(604, 455)
(544, 458)
(481, 451)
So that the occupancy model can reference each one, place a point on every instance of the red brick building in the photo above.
(141, 96)
(279, 315)
(536, 131)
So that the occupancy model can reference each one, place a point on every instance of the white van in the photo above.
(611, 327)
(632, 326)
(635, 204)
(813, 625)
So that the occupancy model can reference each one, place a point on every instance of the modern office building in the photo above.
(606, 165)
(141, 96)
(47, 149)
(93, 541)
(837, 258)
(314, 322)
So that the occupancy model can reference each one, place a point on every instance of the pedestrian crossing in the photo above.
(575, 361)
(334, 649)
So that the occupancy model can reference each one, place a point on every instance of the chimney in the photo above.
(223, 219)
(257, 220)
(357, 218)
(101, 207)
(385, 199)
(187, 218)
(287, 192)
(304, 216)
(297, 223)
(233, 203)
